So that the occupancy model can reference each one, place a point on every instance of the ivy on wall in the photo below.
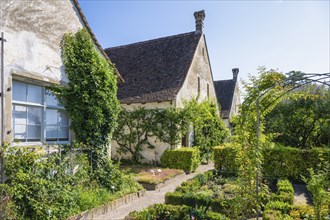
(91, 95)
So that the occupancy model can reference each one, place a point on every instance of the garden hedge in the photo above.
(291, 163)
(174, 212)
(187, 159)
(279, 162)
(225, 159)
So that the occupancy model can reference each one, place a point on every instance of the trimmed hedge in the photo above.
(291, 163)
(285, 192)
(182, 212)
(225, 159)
(279, 162)
(284, 207)
(187, 159)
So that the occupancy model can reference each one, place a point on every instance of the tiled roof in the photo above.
(225, 90)
(154, 70)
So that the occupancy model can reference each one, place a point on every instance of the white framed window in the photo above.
(37, 115)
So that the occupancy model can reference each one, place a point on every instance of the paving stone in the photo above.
(150, 197)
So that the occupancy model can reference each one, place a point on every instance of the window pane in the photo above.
(20, 132)
(51, 133)
(34, 94)
(63, 133)
(51, 117)
(63, 119)
(34, 133)
(34, 115)
(19, 114)
(19, 91)
(51, 99)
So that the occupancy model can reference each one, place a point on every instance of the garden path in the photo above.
(301, 195)
(151, 197)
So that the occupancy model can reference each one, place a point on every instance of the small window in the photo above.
(208, 90)
(199, 85)
(37, 114)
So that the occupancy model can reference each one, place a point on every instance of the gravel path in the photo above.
(301, 195)
(151, 197)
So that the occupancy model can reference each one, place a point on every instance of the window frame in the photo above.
(44, 107)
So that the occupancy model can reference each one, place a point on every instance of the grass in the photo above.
(150, 174)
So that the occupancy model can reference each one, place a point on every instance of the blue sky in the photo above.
(283, 35)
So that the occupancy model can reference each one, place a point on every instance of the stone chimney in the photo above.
(235, 73)
(199, 19)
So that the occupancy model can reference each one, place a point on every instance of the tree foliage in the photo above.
(133, 131)
(90, 97)
(209, 129)
(302, 122)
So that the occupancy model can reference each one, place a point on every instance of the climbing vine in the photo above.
(209, 129)
(91, 95)
(140, 127)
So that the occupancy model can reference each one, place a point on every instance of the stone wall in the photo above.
(149, 155)
(33, 30)
(201, 69)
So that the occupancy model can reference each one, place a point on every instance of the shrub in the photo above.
(44, 187)
(271, 215)
(285, 192)
(283, 197)
(302, 212)
(173, 212)
(280, 206)
(225, 159)
(279, 162)
(56, 187)
(291, 163)
(284, 186)
(173, 198)
(184, 158)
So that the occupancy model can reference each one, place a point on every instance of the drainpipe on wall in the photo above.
(2, 39)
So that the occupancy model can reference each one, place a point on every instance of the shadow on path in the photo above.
(301, 195)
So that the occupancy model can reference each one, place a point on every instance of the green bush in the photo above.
(185, 158)
(291, 163)
(283, 197)
(285, 192)
(302, 212)
(285, 208)
(173, 198)
(279, 162)
(225, 159)
(173, 212)
(284, 186)
(56, 187)
(271, 215)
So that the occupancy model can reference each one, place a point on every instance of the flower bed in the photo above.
(152, 178)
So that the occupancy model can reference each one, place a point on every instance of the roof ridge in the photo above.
(151, 40)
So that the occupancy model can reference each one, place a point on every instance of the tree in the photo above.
(134, 129)
(302, 122)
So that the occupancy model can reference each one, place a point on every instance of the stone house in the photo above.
(164, 72)
(33, 30)
(228, 96)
